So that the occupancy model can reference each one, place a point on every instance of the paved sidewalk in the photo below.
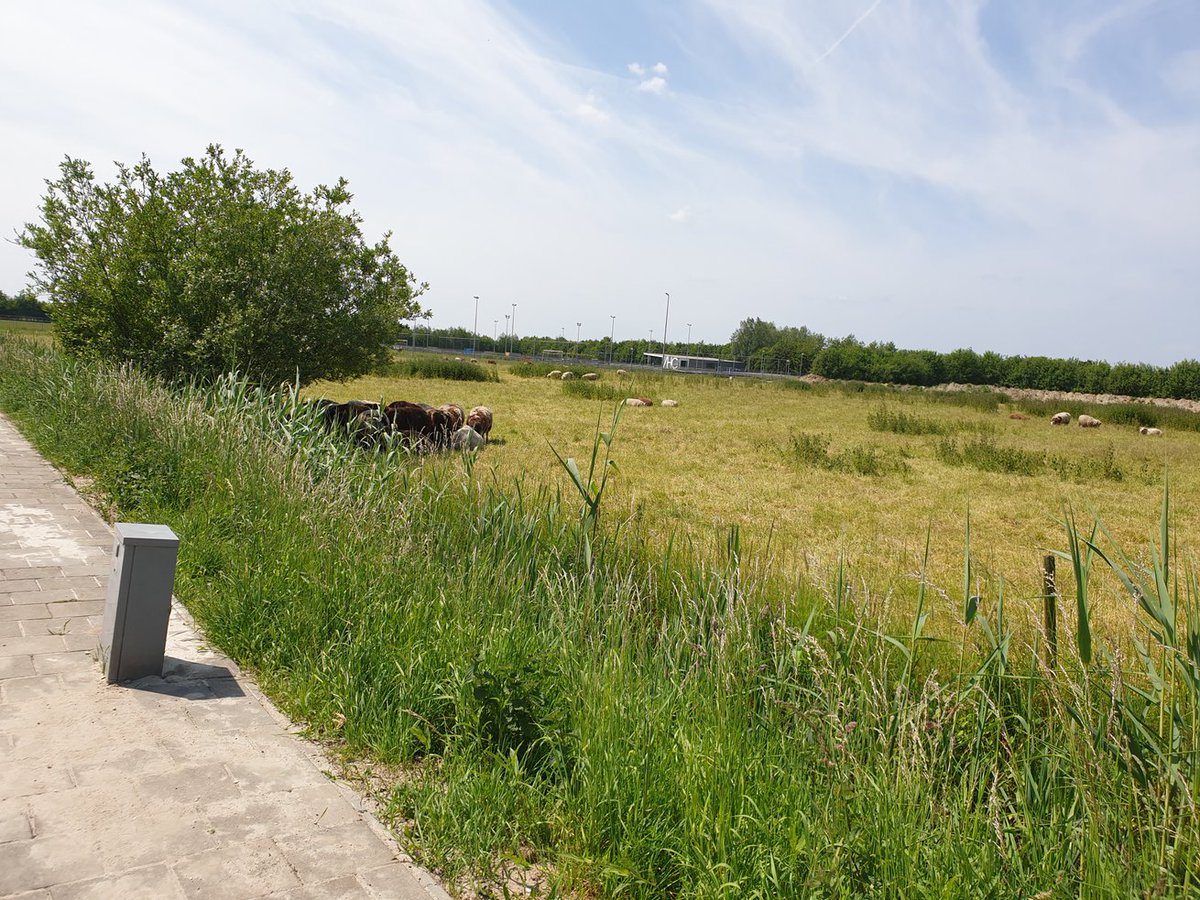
(190, 785)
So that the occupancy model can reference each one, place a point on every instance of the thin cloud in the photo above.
(655, 85)
(637, 69)
(660, 68)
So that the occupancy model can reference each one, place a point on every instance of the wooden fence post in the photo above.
(1050, 602)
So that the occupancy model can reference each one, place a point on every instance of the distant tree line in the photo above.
(850, 359)
(758, 342)
(23, 305)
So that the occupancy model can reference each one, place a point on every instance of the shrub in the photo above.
(414, 365)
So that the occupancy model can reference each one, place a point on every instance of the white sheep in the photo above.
(567, 376)
(590, 376)
(670, 403)
(622, 372)
(1154, 432)
(1062, 418)
(636, 401)
(1086, 421)
(555, 373)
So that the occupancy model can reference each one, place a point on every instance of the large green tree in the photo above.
(217, 266)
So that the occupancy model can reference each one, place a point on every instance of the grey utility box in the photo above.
(133, 638)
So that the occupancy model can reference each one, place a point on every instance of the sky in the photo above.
(1014, 175)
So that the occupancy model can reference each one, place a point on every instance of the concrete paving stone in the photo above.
(95, 768)
(40, 894)
(26, 598)
(78, 662)
(31, 780)
(248, 869)
(14, 821)
(16, 666)
(23, 572)
(260, 773)
(33, 688)
(192, 783)
(338, 850)
(40, 862)
(124, 827)
(10, 629)
(24, 646)
(150, 882)
(81, 641)
(76, 625)
(229, 714)
(98, 570)
(19, 585)
(62, 608)
(24, 611)
(261, 816)
(402, 880)
(73, 583)
(345, 887)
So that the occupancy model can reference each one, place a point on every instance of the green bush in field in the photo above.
(420, 365)
(216, 267)
(813, 450)
(591, 390)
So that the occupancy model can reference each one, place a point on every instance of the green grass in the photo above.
(592, 390)
(811, 449)
(415, 365)
(566, 700)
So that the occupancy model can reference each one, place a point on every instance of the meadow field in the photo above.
(731, 669)
(817, 475)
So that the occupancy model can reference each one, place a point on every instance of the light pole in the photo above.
(514, 327)
(506, 331)
(690, 351)
(495, 332)
(578, 325)
(612, 331)
(666, 319)
(475, 329)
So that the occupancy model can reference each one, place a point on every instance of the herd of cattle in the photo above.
(418, 426)
(1086, 421)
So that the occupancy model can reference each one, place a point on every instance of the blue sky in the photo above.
(1016, 176)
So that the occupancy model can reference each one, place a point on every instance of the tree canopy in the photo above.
(218, 266)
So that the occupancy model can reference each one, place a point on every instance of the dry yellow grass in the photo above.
(722, 458)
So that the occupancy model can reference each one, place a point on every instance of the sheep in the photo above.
(567, 376)
(466, 438)
(1018, 417)
(590, 376)
(669, 403)
(635, 401)
(555, 373)
(1154, 432)
(646, 401)
(622, 372)
(1062, 418)
(455, 415)
(1086, 421)
(480, 418)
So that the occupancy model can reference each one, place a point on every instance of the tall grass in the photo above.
(413, 365)
(988, 455)
(1134, 414)
(636, 722)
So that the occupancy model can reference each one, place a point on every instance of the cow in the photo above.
(480, 418)
(1061, 418)
(1086, 421)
